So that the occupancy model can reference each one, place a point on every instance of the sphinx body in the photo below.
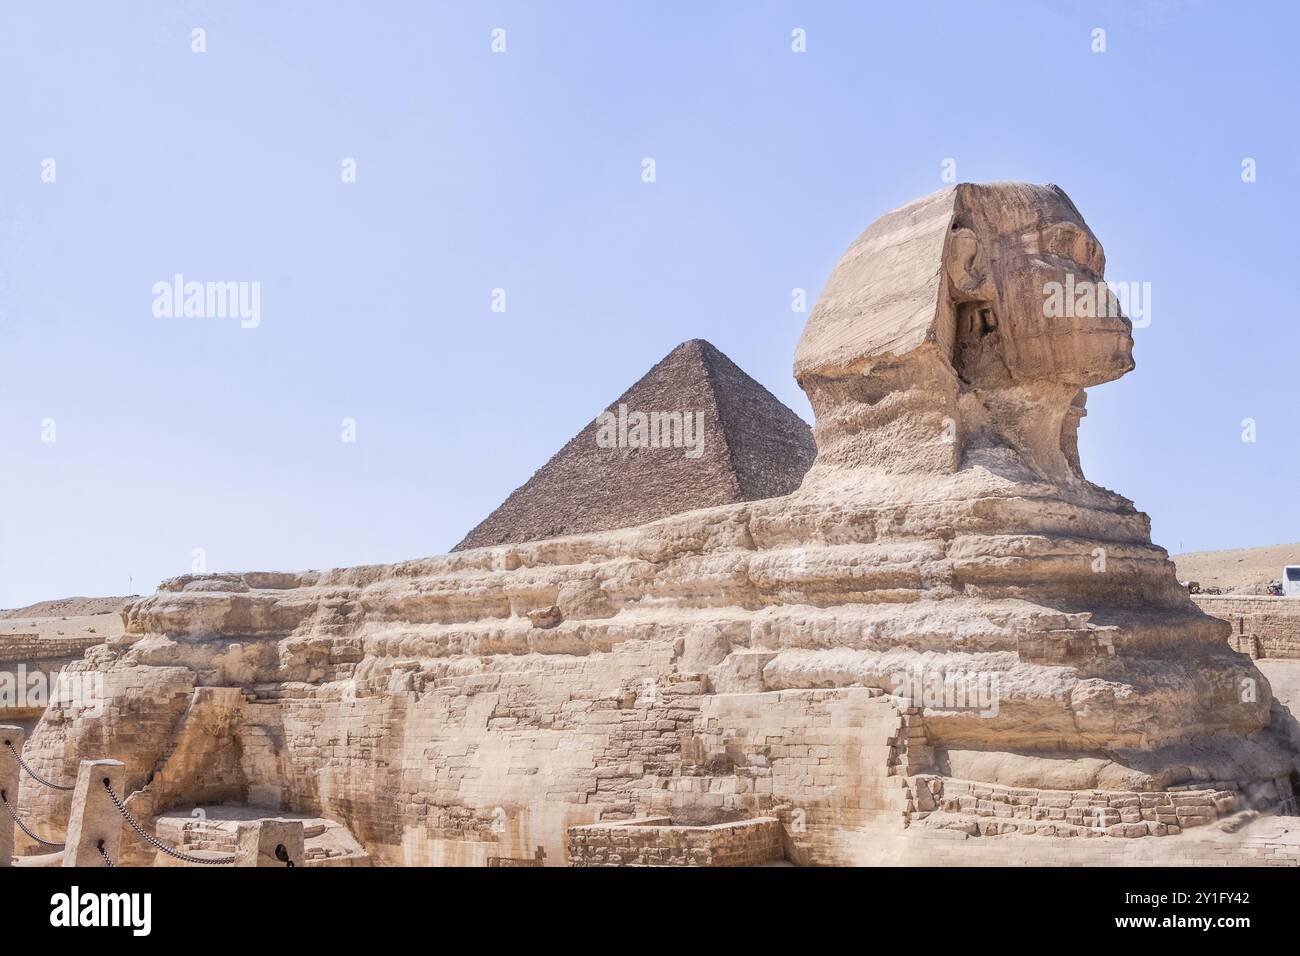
(793, 657)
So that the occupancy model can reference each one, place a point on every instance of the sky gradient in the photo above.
(522, 171)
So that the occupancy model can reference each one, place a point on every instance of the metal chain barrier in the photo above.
(158, 844)
(34, 775)
(13, 815)
(104, 853)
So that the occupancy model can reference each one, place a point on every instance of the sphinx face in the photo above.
(1030, 300)
(1001, 284)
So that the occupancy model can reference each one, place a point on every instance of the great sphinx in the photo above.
(754, 658)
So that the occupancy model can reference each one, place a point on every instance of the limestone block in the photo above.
(270, 842)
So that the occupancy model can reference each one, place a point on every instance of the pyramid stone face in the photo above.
(945, 646)
(739, 443)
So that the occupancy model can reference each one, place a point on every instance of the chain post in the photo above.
(95, 826)
(10, 777)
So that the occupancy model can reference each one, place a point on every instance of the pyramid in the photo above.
(735, 442)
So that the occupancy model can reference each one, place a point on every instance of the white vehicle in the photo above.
(1291, 580)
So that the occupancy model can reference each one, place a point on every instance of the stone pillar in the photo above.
(94, 818)
(258, 842)
(11, 776)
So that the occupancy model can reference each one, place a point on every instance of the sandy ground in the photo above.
(105, 625)
(66, 617)
(1242, 571)
(1284, 677)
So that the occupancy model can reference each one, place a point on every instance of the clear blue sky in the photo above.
(522, 171)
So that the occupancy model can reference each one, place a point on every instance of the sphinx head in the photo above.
(977, 314)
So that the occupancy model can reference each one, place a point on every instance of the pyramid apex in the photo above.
(696, 345)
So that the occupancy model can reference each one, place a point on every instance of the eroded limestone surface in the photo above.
(753, 660)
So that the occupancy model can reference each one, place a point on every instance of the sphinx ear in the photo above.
(964, 263)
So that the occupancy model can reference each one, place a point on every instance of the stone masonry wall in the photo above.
(22, 657)
(1029, 811)
(656, 842)
(498, 764)
(28, 648)
(487, 764)
(1262, 626)
(831, 765)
